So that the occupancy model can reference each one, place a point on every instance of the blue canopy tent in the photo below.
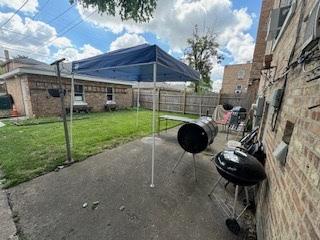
(142, 63)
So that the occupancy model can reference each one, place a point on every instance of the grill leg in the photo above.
(194, 167)
(247, 196)
(235, 202)
(179, 160)
(214, 186)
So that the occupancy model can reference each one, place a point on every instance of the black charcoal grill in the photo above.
(196, 137)
(241, 169)
(238, 114)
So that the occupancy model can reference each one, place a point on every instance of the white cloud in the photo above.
(217, 72)
(39, 40)
(25, 35)
(216, 85)
(241, 47)
(72, 53)
(238, 43)
(174, 20)
(30, 7)
(216, 77)
(62, 42)
(127, 40)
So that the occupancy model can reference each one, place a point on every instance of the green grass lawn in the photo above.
(31, 150)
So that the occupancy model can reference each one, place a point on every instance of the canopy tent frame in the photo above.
(150, 62)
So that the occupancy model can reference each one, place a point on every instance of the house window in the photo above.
(78, 93)
(279, 20)
(110, 94)
(241, 74)
(284, 3)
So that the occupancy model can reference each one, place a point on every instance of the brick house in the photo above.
(288, 202)
(235, 78)
(235, 85)
(29, 83)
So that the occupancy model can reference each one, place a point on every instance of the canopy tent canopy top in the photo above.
(136, 64)
(142, 63)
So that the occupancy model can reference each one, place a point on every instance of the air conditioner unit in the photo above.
(276, 20)
(312, 29)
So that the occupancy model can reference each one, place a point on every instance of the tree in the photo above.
(202, 54)
(137, 10)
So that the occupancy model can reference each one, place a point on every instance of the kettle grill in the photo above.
(241, 169)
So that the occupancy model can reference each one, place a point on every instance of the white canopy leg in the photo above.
(153, 122)
(71, 109)
(138, 105)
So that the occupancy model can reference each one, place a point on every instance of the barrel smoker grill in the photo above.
(241, 169)
(195, 138)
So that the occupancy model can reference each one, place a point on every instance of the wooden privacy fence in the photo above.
(177, 101)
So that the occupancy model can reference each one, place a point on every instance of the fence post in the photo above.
(184, 101)
(200, 106)
(159, 106)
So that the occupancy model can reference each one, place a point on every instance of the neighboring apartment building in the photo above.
(288, 202)
(235, 79)
(235, 85)
(28, 83)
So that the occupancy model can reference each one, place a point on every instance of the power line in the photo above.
(33, 52)
(61, 14)
(50, 41)
(41, 9)
(65, 31)
(52, 20)
(14, 13)
(22, 50)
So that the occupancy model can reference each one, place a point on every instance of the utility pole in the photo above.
(63, 109)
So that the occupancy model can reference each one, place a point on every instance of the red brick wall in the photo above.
(288, 203)
(259, 50)
(230, 78)
(95, 94)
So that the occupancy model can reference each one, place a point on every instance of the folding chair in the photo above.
(225, 121)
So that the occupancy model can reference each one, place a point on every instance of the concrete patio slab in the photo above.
(7, 227)
(51, 206)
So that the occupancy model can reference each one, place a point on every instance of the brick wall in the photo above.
(288, 202)
(230, 78)
(94, 94)
(259, 50)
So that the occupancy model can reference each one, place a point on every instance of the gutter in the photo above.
(24, 70)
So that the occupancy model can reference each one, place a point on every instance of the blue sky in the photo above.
(47, 29)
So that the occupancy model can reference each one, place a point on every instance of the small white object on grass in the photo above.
(85, 205)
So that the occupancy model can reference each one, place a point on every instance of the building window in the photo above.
(241, 74)
(284, 3)
(279, 20)
(110, 94)
(78, 93)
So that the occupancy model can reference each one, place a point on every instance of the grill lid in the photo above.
(239, 168)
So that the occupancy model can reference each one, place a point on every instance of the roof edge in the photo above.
(25, 70)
